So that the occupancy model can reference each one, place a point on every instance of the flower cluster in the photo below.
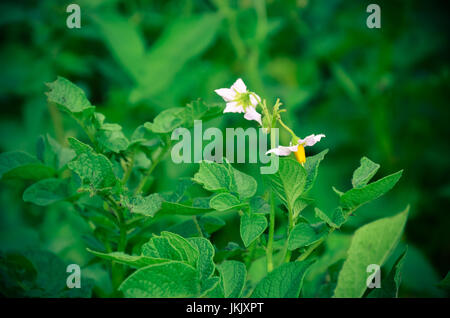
(240, 100)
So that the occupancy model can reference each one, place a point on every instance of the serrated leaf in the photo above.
(303, 235)
(233, 274)
(166, 280)
(289, 181)
(365, 172)
(335, 219)
(371, 244)
(252, 226)
(359, 196)
(284, 281)
(48, 191)
(137, 261)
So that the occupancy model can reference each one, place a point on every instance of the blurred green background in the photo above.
(380, 93)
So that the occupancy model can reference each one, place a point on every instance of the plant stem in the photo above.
(155, 162)
(287, 253)
(57, 122)
(286, 127)
(127, 174)
(269, 250)
(311, 248)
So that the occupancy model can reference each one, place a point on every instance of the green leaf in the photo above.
(18, 164)
(364, 173)
(94, 169)
(233, 274)
(356, 197)
(259, 205)
(115, 30)
(211, 288)
(147, 206)
(205, 264)
(390, 284)
(167, 120)
(171, 246)
(312, 168)
(218, 177)
(137, 261)
(252, 226)
(51, 153)
(242, 184)
(167, 280)
(289, 181)
(173, 208)
(335, 220)
(48, 191)
(181, 41)
(371, 244)
(225, 202)
(211, 223)
(303, 235)
(284, 281)
(111, 137)
(213, 176)
(69, 97)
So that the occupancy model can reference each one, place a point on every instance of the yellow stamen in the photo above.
(300, 154)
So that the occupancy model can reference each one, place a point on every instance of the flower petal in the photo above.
(226, 93)
(283, 150)
(239, 86)
(311, 140)
(233, 107)
(255, 99)
(252, 114)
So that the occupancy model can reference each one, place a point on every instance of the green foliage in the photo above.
(303, 235)
(99, 188)
(284, 282)
(371, 244)
(252, 226)
(289, 181)
(390, 284)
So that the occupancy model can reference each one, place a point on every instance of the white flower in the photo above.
(239, 100)
(311, 140)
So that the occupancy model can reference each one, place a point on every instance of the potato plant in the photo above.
(105, 176)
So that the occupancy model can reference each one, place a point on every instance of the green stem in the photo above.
(269, 250)
(127, 174)
(287, 252)
(286, 127)
(155, 162)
